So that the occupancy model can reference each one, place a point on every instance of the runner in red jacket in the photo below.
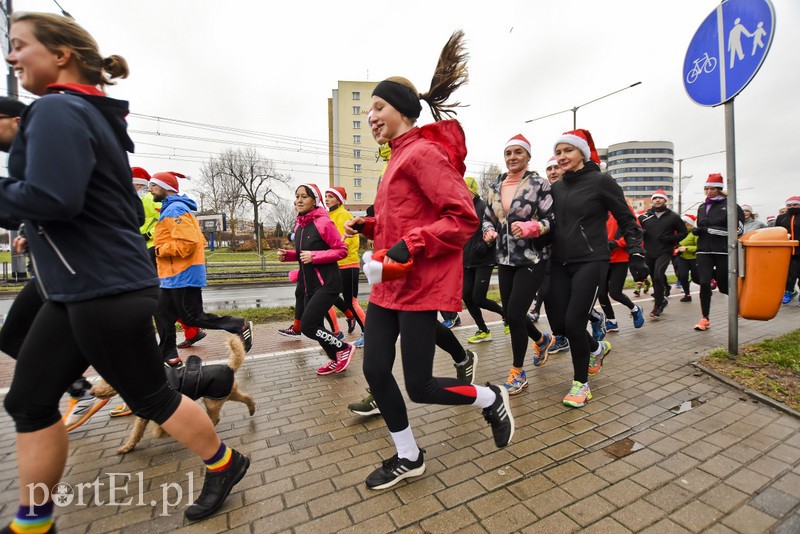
(423, 218)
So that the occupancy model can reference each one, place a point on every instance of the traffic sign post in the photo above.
(723, 57)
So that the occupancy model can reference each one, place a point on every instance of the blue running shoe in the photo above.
(448, 323)
(598, 326)
(561, 345)
(359, 343)
(340, 335)
(542, 350)
(788, 296)
(638, 316)
(612, 325)
(516, 382)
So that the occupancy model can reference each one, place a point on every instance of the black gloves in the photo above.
(399, 252)
(699, 231)
(612, 245)
(639, 270)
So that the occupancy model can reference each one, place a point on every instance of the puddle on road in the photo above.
(686, 406)
(623, 447)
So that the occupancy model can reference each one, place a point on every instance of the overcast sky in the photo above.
(269, 67)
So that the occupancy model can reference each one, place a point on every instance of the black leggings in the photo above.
(711, 267)
(685, 268)
(518, 286)
(186, 304)
(794, 273)
(417, 332)
(349, 293)
(315, 309)
(573, 290)
(612, 287)
(476, 285)
(658, 272)
(114, 335)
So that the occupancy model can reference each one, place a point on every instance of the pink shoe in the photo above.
(328, 368)
(343, 357)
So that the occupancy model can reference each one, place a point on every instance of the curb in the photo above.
(755, 394)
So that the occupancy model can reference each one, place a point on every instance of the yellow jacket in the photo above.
(339, 216)
(152, 211)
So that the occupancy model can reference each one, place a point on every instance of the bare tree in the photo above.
(282, 215)
(248, 176)
(220, 193)
(487, 177)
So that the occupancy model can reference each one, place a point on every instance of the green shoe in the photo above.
(507, 330)
(367, 406)
(596, 361)
(479, 337)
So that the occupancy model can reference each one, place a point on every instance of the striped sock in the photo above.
(36, 519)
(221, 460)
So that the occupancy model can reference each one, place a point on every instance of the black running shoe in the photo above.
(217, 486)
(186, 343)
(247, 335)
(394, 470)
(499, 417)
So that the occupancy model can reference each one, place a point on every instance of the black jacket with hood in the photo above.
(70, 182)
(712, 226)
(661, 234)
(477, 252)
(581, 202)
(791, 221)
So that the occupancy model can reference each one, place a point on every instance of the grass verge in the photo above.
(771, 367)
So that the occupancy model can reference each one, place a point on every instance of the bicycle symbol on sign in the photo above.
(703, 64)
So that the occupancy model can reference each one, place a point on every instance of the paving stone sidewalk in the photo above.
(729, 464)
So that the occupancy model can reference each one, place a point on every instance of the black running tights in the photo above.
(612, 287)
(476, 285)
(114, 335)
(711, 267)
(518, 286)
(573, 290)
(417, 331)
(315, 308)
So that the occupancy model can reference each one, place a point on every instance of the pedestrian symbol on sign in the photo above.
(735, 40)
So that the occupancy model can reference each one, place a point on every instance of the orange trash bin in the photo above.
(766, 265)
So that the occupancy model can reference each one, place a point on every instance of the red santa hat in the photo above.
(377, 271)
(140, 176)
(659, 194)
(714, 180)
(582, 140)
(770, 219)
(552, 162)
(519, 140)
(688, 218)
(315, 191)
(792, 200)
(339, 192)
(168, 180)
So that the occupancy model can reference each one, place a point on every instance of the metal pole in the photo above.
(680, 178)
(733, 238)
(574, 118)
(19, 269)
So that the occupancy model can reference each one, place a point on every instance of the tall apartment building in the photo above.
(642, 167)
(353, 160)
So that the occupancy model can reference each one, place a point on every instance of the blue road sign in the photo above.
(727, 50)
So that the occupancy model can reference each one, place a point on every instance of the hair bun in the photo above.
(116, 67)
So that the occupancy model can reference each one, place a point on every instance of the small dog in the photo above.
(214, 383)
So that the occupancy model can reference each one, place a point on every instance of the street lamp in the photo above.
(680, 176)
(575, 109)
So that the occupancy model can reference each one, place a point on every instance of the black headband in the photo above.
(401, 97)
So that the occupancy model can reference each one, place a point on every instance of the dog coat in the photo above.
(196, 380)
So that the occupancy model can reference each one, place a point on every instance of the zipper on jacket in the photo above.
(38, 278)
(586, 239)
(41, 232)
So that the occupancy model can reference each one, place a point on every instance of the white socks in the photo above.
(405, 444)
(484, 397)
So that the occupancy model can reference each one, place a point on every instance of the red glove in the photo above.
(378, 268)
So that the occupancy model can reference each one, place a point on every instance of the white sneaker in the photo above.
(80, 410)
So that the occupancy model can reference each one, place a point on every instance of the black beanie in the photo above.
(400, 96)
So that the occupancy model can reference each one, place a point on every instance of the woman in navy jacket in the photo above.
(70, 182)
